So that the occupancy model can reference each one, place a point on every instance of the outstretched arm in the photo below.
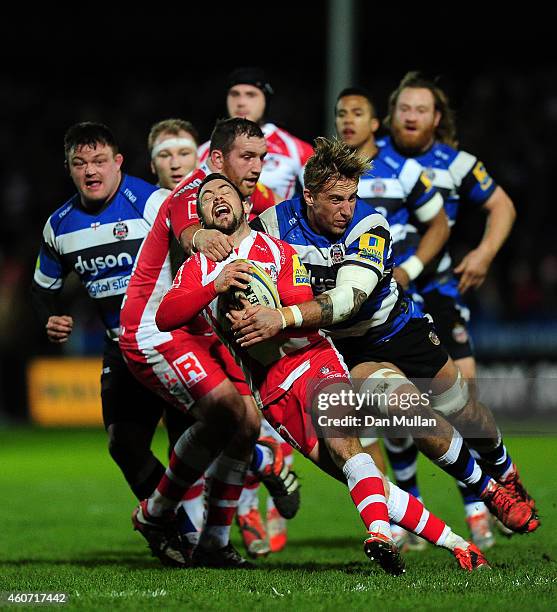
(474, 266)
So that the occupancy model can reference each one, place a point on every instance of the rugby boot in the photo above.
(382, 549)
(471, 558)
(163, 537)
(513, 513)
(253, 533)
(281, 482)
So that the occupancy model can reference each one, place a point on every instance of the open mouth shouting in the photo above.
(93, 184)
(221, 210)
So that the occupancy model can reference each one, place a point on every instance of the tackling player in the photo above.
(346, 246)
(288, 373)
(400, 190)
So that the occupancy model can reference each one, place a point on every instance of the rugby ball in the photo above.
(261, 291)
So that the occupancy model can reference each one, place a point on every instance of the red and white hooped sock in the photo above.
(368, 493)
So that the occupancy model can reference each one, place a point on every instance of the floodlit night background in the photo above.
(502, 82)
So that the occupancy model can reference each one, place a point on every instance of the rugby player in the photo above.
(401, 192)
(193, 371)
(422, 127)
(381, 334)
(241, 166)
(289, 372)
(248, 95)
(97, 234)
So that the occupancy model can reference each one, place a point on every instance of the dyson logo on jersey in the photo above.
(96, 264)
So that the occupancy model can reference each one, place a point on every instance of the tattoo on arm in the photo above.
(326, 305)
(359, 298)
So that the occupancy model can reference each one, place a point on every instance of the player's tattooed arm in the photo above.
(326, 305)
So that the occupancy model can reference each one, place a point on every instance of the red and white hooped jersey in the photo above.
(152, 276)
(272, 366)
(284, 163)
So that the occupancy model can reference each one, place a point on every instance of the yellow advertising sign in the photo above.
(65, 391)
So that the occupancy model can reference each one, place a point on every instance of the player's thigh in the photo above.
(450, 318)
(294, 415)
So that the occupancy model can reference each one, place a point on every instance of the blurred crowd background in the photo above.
(506, 108)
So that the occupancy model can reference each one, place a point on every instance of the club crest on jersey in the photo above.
(430, 173)
(337, 254)
(378, 187)
(434, 339)
(371, 248)
(120, 230)
(300, 274)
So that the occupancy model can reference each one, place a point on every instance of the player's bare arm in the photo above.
(474, 266)
(215, 245)
(258, 324)
(431, 243)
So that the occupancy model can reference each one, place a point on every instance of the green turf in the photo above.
(65, 526)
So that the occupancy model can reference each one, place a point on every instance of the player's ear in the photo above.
(247, 207)
(217, 160)
(375, 123)
(436, 118)
(153, 168)
(308, 197)
(119, 159)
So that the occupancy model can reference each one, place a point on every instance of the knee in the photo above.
(454, 400)
(124, 442)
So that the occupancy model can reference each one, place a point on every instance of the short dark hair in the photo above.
(89, 133)
(171, 126)
(227, 130)
(446, 130)
(358, 91)
(332, 160)
(212, 177)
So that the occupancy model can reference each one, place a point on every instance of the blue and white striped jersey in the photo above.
(367, 243)
(101, 247)
(461, 179)
(398, 189)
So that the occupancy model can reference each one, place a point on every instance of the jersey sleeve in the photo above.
(183, 204)
(186, 298)
(422, 198)
(49, 270)
(305, 151)
(472, 181)
(369, 245)
(153, 205)
(293, 282)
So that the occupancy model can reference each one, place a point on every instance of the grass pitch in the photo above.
(65, 527)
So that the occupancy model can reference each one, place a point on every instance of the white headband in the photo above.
(173, 142)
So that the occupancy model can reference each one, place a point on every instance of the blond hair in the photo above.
(331, 161)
